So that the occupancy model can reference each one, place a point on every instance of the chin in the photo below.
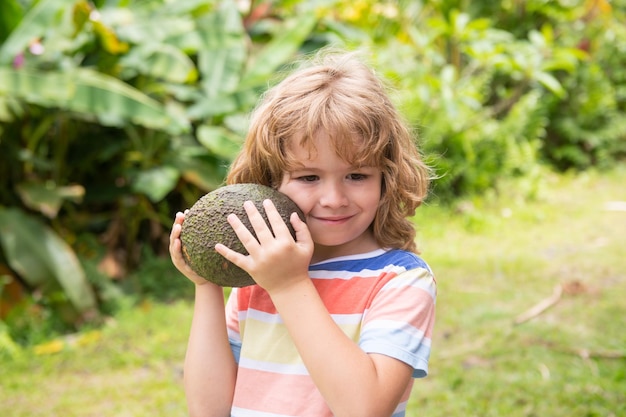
(330, 243)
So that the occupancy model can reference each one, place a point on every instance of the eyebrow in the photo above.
(300, 167)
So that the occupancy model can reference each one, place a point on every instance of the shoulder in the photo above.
(409, 271)
(406, 259)
(383, 269)
(380, 259)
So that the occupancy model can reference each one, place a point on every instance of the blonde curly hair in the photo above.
(340, 95)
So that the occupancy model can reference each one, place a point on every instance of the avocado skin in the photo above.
(205, 225)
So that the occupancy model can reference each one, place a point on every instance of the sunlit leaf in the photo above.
(223, 51)
(80, 15)
(207, 106)
(161, 61)
(551, 83)
(200, 168)
(91, 93)
(47, 198)
(109, 40)
(278, 51)
(157, 182)
(219, 141)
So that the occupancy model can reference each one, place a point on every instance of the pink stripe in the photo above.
(293, 395)
(385, 309)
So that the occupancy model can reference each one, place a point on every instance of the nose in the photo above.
(333, 195)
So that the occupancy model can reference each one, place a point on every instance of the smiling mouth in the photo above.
(331, 220)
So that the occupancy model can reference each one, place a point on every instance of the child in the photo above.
(340, 320)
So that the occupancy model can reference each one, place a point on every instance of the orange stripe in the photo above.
(340, 296)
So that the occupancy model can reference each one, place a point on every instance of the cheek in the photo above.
(300, 197)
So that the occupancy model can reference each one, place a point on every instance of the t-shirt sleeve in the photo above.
(400, 319)
(232, 323)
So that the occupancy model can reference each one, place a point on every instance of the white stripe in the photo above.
(261, 316)
(325, 274)
(347, 318)
(233, 335)
(397, 327)
(417, 278)
(400, 407)
(367, 255)
(270, 318)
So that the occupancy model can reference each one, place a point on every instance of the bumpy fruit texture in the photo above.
(205, 225)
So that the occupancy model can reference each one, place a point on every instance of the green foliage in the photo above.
(10, 14)
(113, 116)
(588, 129)
(116, 114)
(475, 96)
(46, 262)
(589, 125)
(158, 279)
(496, 89)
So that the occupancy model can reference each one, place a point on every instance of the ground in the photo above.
(506, 344)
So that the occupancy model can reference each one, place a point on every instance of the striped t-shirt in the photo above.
(383, 300)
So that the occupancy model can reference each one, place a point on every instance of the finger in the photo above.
(174, 235)
(302, 230)
(179, 218)
(279, 227)
(233, 256)
(176, 228)
(260, 227)
(176, 254)
(243, 233)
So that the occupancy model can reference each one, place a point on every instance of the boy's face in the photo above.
(339, 201)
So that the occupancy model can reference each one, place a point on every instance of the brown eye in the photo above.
(358, 177)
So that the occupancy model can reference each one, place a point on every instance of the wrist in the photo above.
(208, 289)
(294, 288)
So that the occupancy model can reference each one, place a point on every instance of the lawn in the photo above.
(531, 316)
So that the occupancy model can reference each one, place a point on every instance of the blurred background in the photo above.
(116, 114)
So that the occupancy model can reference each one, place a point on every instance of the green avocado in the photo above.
(205, 225)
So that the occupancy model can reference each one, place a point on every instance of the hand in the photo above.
(176, 252)
(275, 260)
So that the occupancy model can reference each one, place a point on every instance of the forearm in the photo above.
(351, 381)
(210, 369)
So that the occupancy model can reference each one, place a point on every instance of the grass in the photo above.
(499, 258)
(495, 258)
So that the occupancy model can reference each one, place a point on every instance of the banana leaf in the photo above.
(10, 16)
(47, 197)
(157, 182)
(278, 51)
(161, 61)
(90, 93)
(219, 140)
(42, 259)
(222, 54)
(44, 15)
